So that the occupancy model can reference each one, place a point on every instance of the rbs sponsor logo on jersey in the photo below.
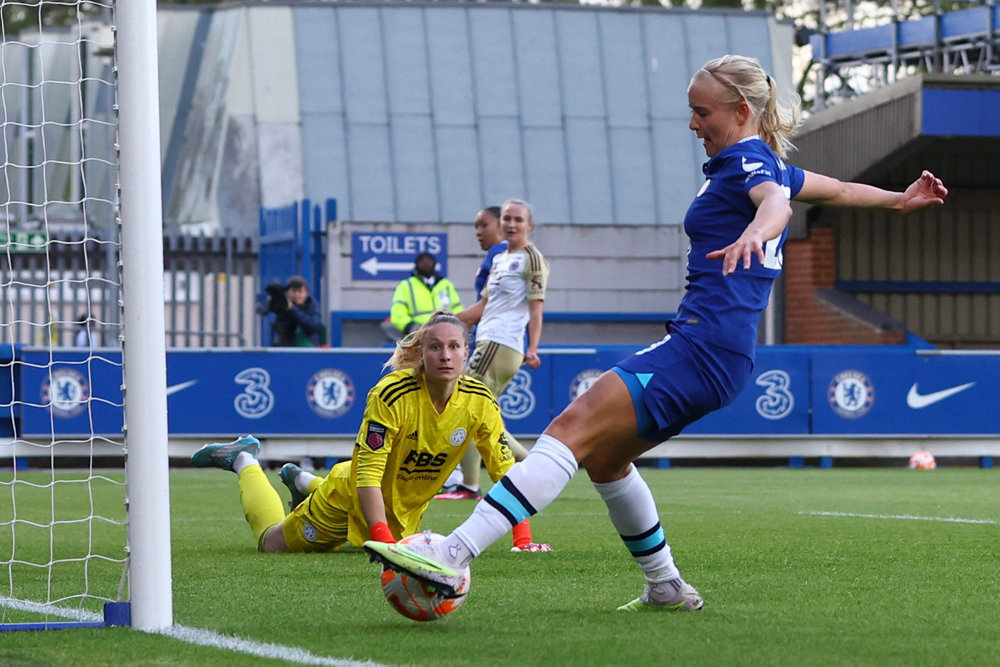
(421, 460)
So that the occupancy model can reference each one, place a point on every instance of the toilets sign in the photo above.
(390, 256)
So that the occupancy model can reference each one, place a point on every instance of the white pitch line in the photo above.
(908, 517)
(257, 649)
(196, 636)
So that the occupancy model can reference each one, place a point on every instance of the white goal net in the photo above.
(68, 544)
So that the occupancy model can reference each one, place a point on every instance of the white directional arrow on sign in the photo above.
(373, 266)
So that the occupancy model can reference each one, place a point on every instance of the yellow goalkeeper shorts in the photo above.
(320, 523)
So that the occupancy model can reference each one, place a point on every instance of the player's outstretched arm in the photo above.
(927, 190)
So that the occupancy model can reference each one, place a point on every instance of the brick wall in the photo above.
(811, 315)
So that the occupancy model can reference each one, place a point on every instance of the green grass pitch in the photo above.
(797, 567)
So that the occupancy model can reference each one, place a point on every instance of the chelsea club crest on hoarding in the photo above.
(66, 391)
(330, 393)
(851, 394)
(583, 381)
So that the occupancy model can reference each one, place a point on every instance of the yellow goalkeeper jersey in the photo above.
(408, 450)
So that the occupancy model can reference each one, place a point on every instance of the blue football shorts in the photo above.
(678, 380)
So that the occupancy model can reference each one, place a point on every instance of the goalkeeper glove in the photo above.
(380, 533)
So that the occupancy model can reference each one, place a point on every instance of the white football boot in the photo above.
(673, 595)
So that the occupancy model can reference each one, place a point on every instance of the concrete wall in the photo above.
(592, 269)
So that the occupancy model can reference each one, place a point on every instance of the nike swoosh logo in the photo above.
(751, 166)
(916, 400)
(180, 387)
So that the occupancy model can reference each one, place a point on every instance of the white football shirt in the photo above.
(517, 277)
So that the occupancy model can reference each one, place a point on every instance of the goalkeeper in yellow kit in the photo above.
(419, 420)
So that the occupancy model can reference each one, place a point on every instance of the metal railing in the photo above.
(963, 41)
(210, 287)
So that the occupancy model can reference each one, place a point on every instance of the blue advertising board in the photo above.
(895, 391)
(221, 393)
(573, 373)
(390, 255)
(268, 391)
(774, 401)
(70, 393)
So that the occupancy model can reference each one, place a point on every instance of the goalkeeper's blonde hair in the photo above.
(409, 352)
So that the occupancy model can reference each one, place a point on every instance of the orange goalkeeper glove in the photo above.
(380, 533)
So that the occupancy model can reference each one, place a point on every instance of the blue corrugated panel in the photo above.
(589, 171)
(361, 52)
(503, 166)
(427, 113)
(413, 152)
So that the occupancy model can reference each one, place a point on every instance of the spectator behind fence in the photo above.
(296, 320)
(419, 296)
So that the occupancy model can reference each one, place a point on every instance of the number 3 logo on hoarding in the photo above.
(777, 401)
(256, 400)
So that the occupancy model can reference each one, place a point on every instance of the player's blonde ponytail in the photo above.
(409, 352)
(776, 121)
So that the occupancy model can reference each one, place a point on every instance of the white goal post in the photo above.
(80, 143)
(144, 346)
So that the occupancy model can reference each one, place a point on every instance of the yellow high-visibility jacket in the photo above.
(413, 302)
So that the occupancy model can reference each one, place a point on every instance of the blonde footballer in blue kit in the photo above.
(736, 226)
(419, 420)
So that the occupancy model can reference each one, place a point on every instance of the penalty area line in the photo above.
(903, 517)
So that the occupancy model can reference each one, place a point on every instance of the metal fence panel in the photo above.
(210, 286)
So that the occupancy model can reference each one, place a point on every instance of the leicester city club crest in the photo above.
(851, 394)
(309, 532)
(66, 391)
(330, 393)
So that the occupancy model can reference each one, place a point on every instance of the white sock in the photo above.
(242, 460)
(302, 481)
(455, 477)
(633, 512)
(526, 489)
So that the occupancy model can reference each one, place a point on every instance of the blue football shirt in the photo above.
(484, 268)
(725, 310)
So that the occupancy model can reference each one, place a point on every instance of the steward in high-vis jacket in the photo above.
(417, 297)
